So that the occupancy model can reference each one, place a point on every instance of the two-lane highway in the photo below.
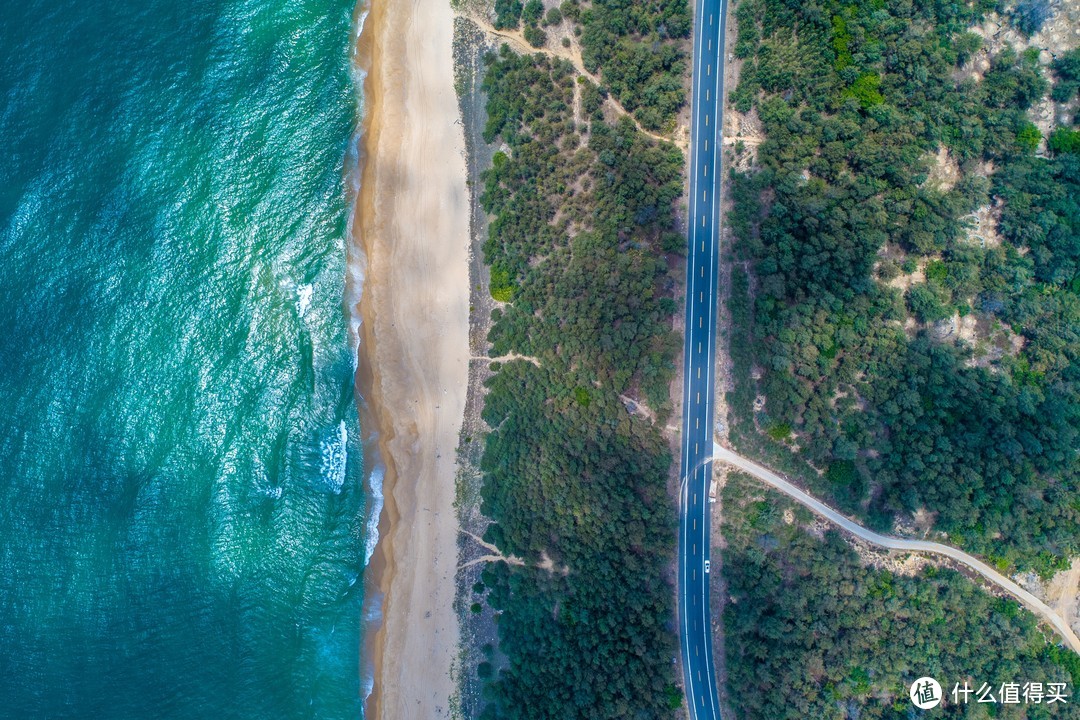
(703, 238)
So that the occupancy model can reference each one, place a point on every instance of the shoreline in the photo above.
(411, 235)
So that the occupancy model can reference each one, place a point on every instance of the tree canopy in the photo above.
(936, 358)
(582, 255)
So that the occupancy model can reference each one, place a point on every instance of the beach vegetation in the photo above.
(502, 288)
(1066, 70)
(1029, 16)
(1029, 136)
(638, 49)
(508, 14)
(1064, 140)
(534, 36)
(532, 12)
(582, 219)
(780, 431)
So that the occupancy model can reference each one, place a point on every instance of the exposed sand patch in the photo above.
(955, 328)
(904, 281)
(990, 341)
(1060, 33)
(1063, 594)
(985, 229)
(742, 131)
(944, 171)
(905, 564)
(508, 357)
(413, 224)
(571, 53)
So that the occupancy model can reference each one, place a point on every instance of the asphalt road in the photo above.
(699, 356)
(1037, 606)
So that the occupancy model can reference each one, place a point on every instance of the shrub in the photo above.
(1030, 15)
(507, 14)
(1029, 136)
(1064, 140)
(532, 12)
(535, 36)
(925, 304)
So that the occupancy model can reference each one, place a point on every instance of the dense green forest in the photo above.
(584, 261)
(634, 45)
(865, 269)
(813, 632)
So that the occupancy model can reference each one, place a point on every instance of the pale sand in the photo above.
(413, 224)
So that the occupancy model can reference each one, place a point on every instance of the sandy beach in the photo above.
(412, 224)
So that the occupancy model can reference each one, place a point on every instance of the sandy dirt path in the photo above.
(1037, 606)
(413, 226)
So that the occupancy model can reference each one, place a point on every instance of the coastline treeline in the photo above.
(632, 44)
(583, 251)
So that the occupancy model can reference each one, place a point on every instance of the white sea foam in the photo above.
(303, 299)
(372, 620)
(334, 456)
(375, 494)
(356, 261)
(354, 286)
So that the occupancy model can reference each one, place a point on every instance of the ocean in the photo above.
(183, 527)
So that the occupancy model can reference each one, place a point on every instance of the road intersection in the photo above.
(699, 353)
(698, 450)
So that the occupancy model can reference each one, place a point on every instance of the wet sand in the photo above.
(412, 224)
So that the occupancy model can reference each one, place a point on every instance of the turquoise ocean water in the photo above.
(182, 521)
